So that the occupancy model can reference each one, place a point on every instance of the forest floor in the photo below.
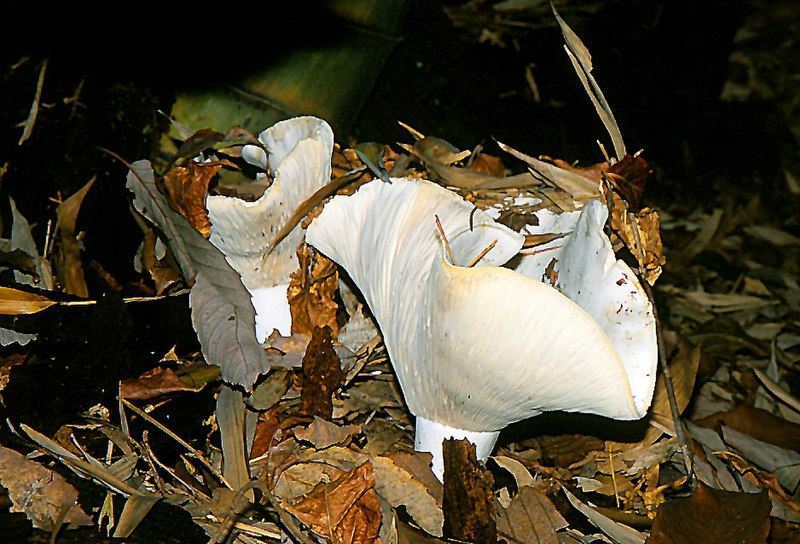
(707, 90)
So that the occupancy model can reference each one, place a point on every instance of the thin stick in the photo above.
(778, 391)
(446, 243)
(31, 120)
(613, 476)
(195, 453)
(680, 431)
(482, 254)
(149, 458)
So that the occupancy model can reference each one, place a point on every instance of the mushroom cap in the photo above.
(299, 151)
(589, 274)
(473, 348)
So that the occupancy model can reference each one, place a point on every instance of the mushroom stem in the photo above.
(272, 311)
(430, 435)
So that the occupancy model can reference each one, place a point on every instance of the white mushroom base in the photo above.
(430, 435)
(272, 311)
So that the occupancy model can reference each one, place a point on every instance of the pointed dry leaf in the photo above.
(230, 419)
(68, 261)
(649, 231)
(225, 325)
(270, 391)
(622, 534)
(22, 239)
(162, 383)
(345, 511)
(582, 62)
(522, 475)
(187, 188)
(135, 509)
(311, 292)
(713, 516)
(400, 488)
(222, 313)
(323, 434)
(531, 518)
(40, 493)
(161, 269)
(16, 302)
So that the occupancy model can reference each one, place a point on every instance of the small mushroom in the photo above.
(298, 152)
(478, 347)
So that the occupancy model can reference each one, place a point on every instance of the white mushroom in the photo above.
(299, 153)
(477, 348)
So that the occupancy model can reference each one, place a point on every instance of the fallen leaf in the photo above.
(187, 188)
(162, 383)
(647, 247)
(488, 164)
(161, 269)
(40, 493)
(400, 488)
(16, 302)
(22, 239)
(323, 434)
(629, 176)
(69, 267)
(757, 423)
(582, 62)
(345, 511)
(531, 518)
(522, 475)
(622, 534)
(270, 391)
(712, 516)
(222, 313)
(311, 292)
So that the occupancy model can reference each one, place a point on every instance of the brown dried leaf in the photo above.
(16, 302)
(68, 260)
(649, 233)
(399, 487)
(419, 465)
(323, 434)
(759, 424)
(187, 188)
(593, 173)
(163, 269)
(149, 387)
(323, 374)
(311, 292)
(488, 164)
(629, 177)
(301, 478)
(531, 518)
(468, 502)
(345, 511)
(712, 516)
(270, 391)
(40, 493)
(383, 436)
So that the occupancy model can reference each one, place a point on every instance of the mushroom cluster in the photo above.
(476, 346)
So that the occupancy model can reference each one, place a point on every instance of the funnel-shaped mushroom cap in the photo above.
(474, 348)
(299, 152)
